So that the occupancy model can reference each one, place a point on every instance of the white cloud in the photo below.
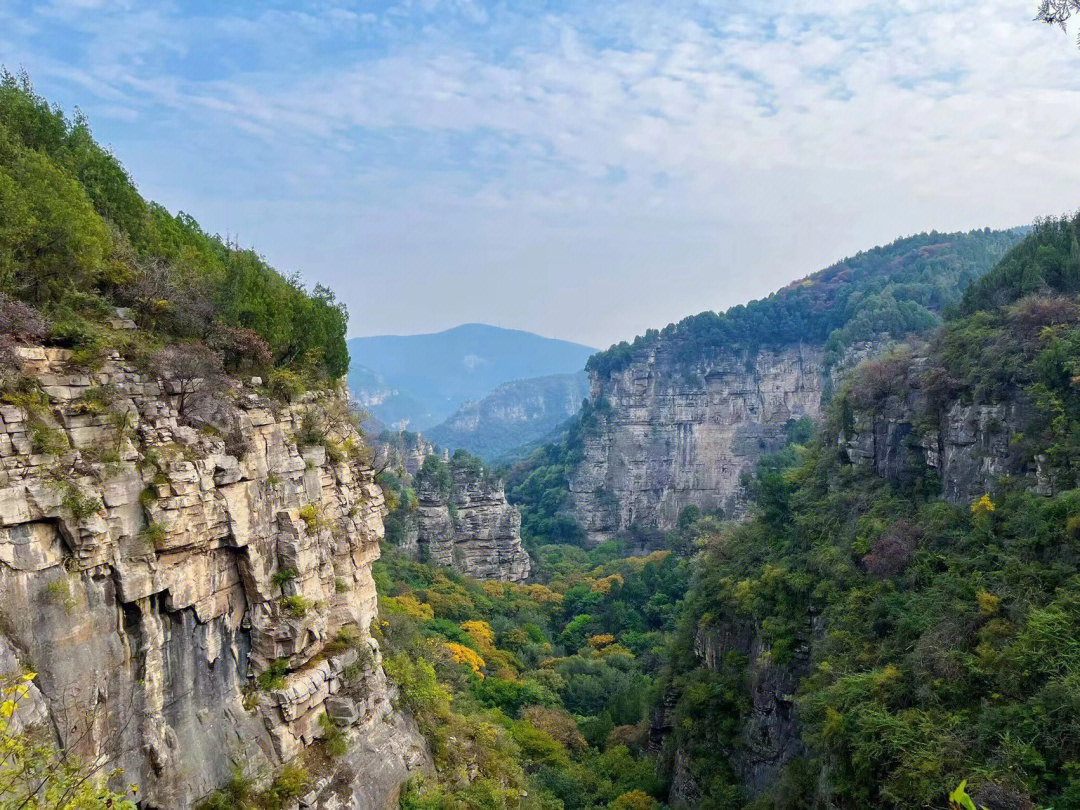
(784, 138)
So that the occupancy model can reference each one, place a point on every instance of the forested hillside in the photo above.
(887, 291)
(77, 240)
(904, 641)
(883, 293)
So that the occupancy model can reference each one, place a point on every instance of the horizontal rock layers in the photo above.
(472, 528)
(153, 572)
(667, 435)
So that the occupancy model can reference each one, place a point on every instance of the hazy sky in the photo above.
(582, 170)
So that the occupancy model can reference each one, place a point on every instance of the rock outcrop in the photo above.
(969, 446)
(192, 602)
(668, 436)
(470, 528)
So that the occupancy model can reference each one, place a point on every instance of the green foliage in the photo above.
(483, 668)
(436, 474)
(77, 239)
(283, 576)
(78, 502)
(1048, 261)
(154, 534)
(241, 792)
(888, 291)
(35, 775)
(274, 675)
(296, 605)
(333, 738)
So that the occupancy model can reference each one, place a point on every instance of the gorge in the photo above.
(817, 551)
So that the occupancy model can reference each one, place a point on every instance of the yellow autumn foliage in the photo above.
(634, 800)
(543, 595)
(493, 588)
(481, 633)
(983, 506)
(605, 585)
(466, 655)
(988, 603)
(600, 640)
(656, 557)
(410, 606)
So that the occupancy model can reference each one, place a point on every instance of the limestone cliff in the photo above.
(183, 592)
(969, 446)
(668, 435)
(470, 527)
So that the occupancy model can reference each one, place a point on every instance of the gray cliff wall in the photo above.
(149, 613)
(668, 436)
(968, 446)
(472, 529)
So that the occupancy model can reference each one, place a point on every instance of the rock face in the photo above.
(151, 575)
(668, 436)
(471, 528)
(513, 415)
(969, 446)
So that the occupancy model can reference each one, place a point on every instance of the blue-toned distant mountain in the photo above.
(418, 381)
(513, 416)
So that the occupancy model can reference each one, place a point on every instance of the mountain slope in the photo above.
(417, 381)
(514, 414)
(899, 614)
(680, 414)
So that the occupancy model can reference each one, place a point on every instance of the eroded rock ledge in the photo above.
(471, 528)
(150, 576)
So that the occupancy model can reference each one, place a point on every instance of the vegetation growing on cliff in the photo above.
(920, 642)
(77, 240)
(888, 291)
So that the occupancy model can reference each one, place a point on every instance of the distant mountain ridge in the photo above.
(418, 381)
(516, 413)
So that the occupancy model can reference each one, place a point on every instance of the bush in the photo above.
(274, 675)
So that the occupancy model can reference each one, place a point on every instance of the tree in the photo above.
(35, 774)
(196, 378)
(1058, 12)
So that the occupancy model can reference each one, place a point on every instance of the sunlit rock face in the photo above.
(472, 529)
(152, 572)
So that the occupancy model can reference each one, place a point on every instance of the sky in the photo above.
(584, 170)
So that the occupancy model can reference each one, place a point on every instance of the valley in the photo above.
(816, 551)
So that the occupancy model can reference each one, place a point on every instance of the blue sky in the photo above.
(582, 170)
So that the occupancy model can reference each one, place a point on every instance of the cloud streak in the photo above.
(585, 171)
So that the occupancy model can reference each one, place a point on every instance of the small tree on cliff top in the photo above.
(196, 375)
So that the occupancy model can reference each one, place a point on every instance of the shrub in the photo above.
(79, 504)
(334, 740)
(154, 534)
(285, 385)
(283, 576)
(47, 440)
(296, 605)
(311, 514)
(273, 677)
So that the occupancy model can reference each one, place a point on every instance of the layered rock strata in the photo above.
(471, 528)
(182, 595)
(667, 435)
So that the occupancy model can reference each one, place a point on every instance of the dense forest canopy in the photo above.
(77, 240)
(888, 291)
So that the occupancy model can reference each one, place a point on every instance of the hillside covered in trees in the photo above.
(888, 291)
(77, 240)
(919, 640)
